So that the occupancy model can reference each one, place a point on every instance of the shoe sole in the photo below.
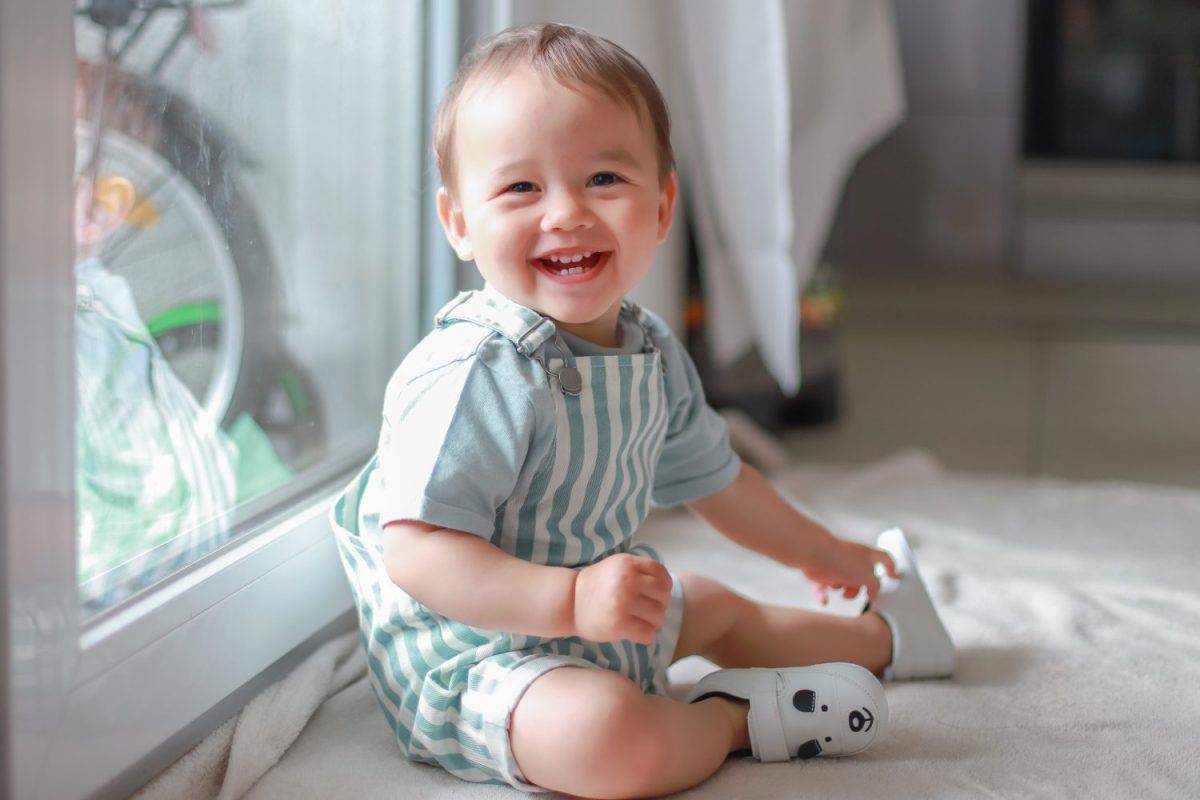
(895, 543)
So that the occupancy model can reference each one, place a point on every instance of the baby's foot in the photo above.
(921, 646)
(800, 712)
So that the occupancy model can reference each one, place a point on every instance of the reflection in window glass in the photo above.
(246, 189)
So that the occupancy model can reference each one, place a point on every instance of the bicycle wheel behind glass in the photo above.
(174, 256)
(191, 250)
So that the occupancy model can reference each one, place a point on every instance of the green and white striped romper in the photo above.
(576, 461)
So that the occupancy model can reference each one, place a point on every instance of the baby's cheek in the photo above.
(497, 238)
(514, 252)
(638, 221)
(647, 235)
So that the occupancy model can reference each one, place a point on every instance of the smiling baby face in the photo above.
(557, 194)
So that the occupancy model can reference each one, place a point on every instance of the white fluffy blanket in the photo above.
(1075, 607)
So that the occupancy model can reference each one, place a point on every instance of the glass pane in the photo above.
(247, 176)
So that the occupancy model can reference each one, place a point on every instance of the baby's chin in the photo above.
(576, 311)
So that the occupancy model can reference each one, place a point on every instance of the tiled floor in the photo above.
(1055, 391)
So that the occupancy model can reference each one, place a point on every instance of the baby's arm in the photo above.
(467, 578)
(751, 512)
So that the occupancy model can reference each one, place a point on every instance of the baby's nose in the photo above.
(566, 213)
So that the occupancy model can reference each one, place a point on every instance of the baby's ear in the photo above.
(666, 205)
(453, 223)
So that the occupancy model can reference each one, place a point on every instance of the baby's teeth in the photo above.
(569, 259)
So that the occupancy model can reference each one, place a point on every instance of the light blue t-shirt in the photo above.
(630, 339)
(467, 418)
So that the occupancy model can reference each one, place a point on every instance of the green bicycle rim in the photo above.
(183, 316)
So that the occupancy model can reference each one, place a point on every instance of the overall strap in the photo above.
(644, 320)
(522, 326)
(635, 311)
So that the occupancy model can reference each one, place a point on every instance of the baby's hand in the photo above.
(621, 597)
(847, 566)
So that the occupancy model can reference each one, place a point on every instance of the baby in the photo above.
(515, 633)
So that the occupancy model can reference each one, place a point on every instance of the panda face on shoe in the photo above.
(859, 721)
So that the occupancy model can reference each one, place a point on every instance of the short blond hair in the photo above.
(572, 57)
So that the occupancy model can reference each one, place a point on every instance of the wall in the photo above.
(938, 192)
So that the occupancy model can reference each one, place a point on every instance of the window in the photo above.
(245, 178)
(214, 249)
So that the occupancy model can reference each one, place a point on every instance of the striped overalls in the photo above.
(448, 689)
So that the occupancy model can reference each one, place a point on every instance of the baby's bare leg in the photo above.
(733, 631)
(592, 733)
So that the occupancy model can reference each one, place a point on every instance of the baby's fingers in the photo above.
(649, 611)
(654, 587)
(655, 584)
(649, 566)
(884, 559)
(640, 631)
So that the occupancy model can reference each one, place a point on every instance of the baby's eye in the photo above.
(522, 186)
(603, 179)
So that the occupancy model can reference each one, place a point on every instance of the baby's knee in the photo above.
(597, 734)
(629, 735)
(617, 727)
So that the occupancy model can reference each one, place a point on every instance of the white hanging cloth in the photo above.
(773, 103)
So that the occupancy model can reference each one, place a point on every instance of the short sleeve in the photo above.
(453, 445)
(696, 458)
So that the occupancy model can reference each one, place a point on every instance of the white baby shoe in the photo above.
(921, 646)
(800, 712)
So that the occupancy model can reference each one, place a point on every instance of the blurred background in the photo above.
(1021, 257)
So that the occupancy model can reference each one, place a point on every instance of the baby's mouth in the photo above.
(573, 267)
(574, 271)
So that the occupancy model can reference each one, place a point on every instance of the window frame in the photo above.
(96, 709)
